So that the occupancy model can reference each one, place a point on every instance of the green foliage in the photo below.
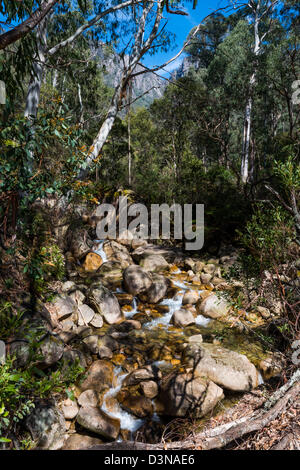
(27, 157)
(288, 173)
(44, 260)
(45, 264)
(10, 321)
(53, 263)
(20, 388)
(267, 237)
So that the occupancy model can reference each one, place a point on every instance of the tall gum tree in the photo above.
(260, 17)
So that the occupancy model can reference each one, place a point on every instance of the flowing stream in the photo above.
(160, 322)
(111, 405)
(127, 420)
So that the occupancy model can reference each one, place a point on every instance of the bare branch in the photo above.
(280, 199)
(187, 43)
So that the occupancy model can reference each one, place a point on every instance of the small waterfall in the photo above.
(99, 250)
(134, 309)
(127, 420)
(180, 284)
(173, 304)
(260, 379)
(201, 320)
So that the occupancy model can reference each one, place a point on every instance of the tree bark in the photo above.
(34, 88)
(258, 13)
(129, 133)
(246, 142)
(106, 127)
(28, 25)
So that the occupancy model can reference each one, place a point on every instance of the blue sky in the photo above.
(181, 26)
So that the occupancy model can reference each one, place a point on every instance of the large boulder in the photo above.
(137, 243)
(80, 442)
(111, 272)
(85, 314)
(62, 307)
(105, 303)
(140, 375)
(169, 254)
(139, 405)
(213, 306)
(117, 253)
(99, 376)
(190, 297)
(154, 263)
(187, 395)
(136, 280)
(69, 409)
(149, 388)
(97, 421)
(97, 321)
(80, 243)
(226, 368)
(50, 351)
(88, 398)
(47, 427)
(157, 291)
(209, 268)
(182, 318)
(205, 278)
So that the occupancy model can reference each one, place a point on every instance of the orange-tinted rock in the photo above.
(92, 262)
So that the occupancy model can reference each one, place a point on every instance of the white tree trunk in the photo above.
(246, 142)
(54, 84)
(129, 134)
(105, 128)
(34, 88)
(80, 103)
(140, 47)
(249, 105)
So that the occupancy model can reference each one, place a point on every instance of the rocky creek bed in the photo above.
(159, 340)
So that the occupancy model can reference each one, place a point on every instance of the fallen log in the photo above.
(220, 436)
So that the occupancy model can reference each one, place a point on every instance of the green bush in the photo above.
(267, 237)
(19, 389)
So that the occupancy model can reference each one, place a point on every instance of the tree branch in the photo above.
(28, 25)
(187, 43)
(90, 23)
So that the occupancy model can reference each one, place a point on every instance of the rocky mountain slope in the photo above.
(148, 85)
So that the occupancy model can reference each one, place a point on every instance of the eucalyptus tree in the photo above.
(203, 47)
(148, 34)
(260, 16)
(101, 9)
(146, 21)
